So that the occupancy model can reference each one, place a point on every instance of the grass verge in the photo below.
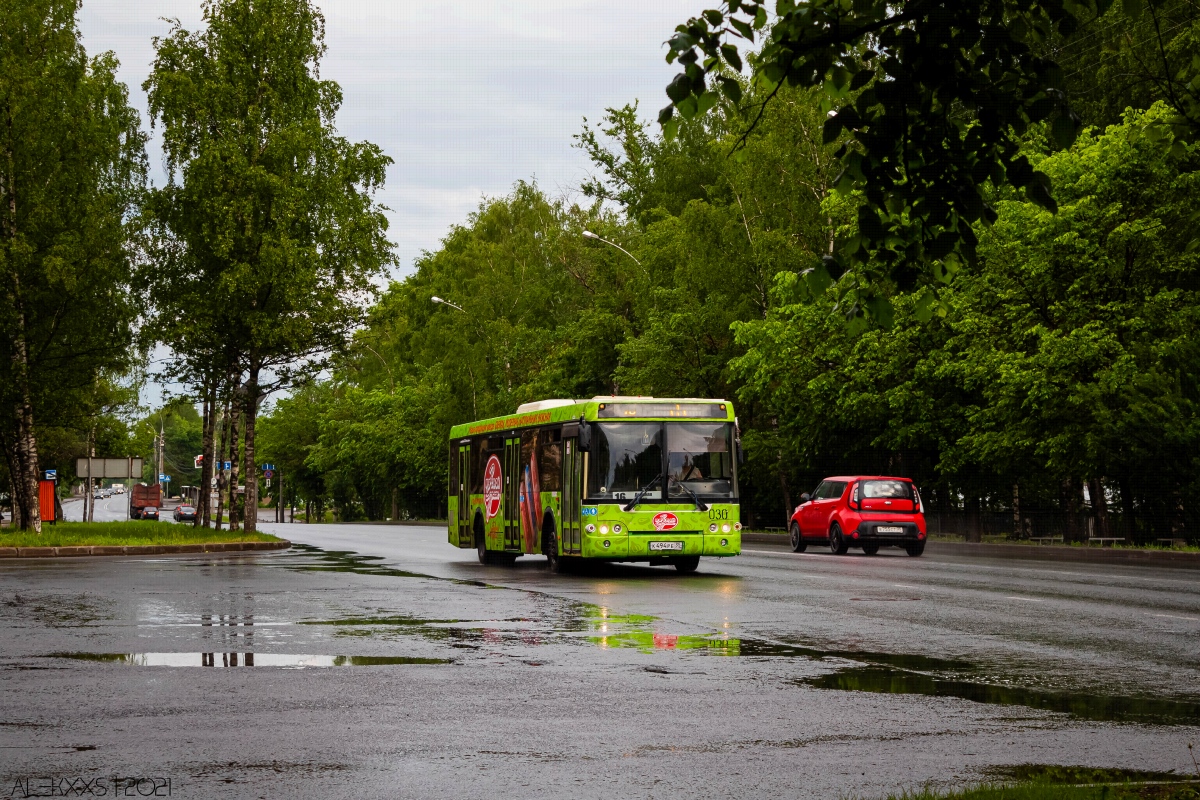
(1054, 782)
(125, 534)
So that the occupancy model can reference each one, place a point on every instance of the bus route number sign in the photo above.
(493, 483)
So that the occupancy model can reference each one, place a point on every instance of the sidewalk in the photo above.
(1091, 555)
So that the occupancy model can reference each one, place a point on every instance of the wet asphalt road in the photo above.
(387, 663)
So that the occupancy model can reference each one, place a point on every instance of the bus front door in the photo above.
(465, 537)
(572, 494)
(512, 493)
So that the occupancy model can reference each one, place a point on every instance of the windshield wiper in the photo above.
(699, 506)
(638, 497)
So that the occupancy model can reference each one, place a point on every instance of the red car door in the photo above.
(831, 495)
(810, 525)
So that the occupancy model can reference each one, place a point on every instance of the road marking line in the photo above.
(904, 586)
(1029, 599)
(1173, 616)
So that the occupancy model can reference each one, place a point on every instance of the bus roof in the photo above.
(545, 412)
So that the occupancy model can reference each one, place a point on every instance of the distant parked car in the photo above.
(867, 511)
(150, 512)
(184, 512)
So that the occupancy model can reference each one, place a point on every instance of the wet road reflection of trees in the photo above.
(223, 622)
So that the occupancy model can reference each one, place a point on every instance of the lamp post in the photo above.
(590, 235)
(441, 302)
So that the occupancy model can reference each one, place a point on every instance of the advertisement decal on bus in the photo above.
(493, 483)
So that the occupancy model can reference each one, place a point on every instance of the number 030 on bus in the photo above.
(611, 478)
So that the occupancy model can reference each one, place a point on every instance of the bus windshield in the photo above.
(626, 457)
(700, 457)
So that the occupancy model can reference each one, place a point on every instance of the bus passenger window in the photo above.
(550, 466)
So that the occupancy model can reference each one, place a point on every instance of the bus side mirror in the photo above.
(585, 435)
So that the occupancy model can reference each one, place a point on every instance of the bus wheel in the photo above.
(687, 563)
(550, 548)
(485, 556)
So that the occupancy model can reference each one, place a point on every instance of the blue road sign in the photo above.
(269, 468)
(164, 478)
(51, 474)
(226, 465)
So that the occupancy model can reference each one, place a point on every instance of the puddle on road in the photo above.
(282, 660)
(1099, 707)
(573, 622)
(345, 561)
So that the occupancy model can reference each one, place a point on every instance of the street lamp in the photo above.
(442, 302)
(590, 235)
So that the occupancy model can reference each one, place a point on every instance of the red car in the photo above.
(867, 511)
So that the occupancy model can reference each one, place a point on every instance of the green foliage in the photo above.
(929, 102)
(1068, 355)
(183, 437)
(72, 167)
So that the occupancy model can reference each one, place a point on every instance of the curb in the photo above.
(140, 550)
(1020, 552)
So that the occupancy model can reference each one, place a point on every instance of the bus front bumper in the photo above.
(642, 546)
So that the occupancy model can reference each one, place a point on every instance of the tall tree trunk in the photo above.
(250, 418)
(974, 523)
(235, 465)
(1099, 505)
(204, 499)
(89, 497)
(1071, 492)
(1018, 530)
(26, 482)
(221, 452)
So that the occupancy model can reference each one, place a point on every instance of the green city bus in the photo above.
(612, 478)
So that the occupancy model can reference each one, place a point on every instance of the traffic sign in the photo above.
(268, 468)
(227, 465)
(268, 474)
(51, 474)
(164, 478)
(199, 461)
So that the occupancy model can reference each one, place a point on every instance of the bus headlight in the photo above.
(590, 528)
(617, 528)
(725, 528)
(724, 543)
(737, 526)
(607, 542)
(712, 528)
(603, 529)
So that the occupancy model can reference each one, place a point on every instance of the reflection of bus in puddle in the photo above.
(636, 631)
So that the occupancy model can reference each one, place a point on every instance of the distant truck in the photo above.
(142, 497)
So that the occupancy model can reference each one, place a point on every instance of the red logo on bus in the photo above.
(493, 483)
(665, 521)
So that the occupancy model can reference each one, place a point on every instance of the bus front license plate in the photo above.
(666, 545)
(882, 529)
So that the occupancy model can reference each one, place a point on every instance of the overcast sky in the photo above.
(467, 97)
